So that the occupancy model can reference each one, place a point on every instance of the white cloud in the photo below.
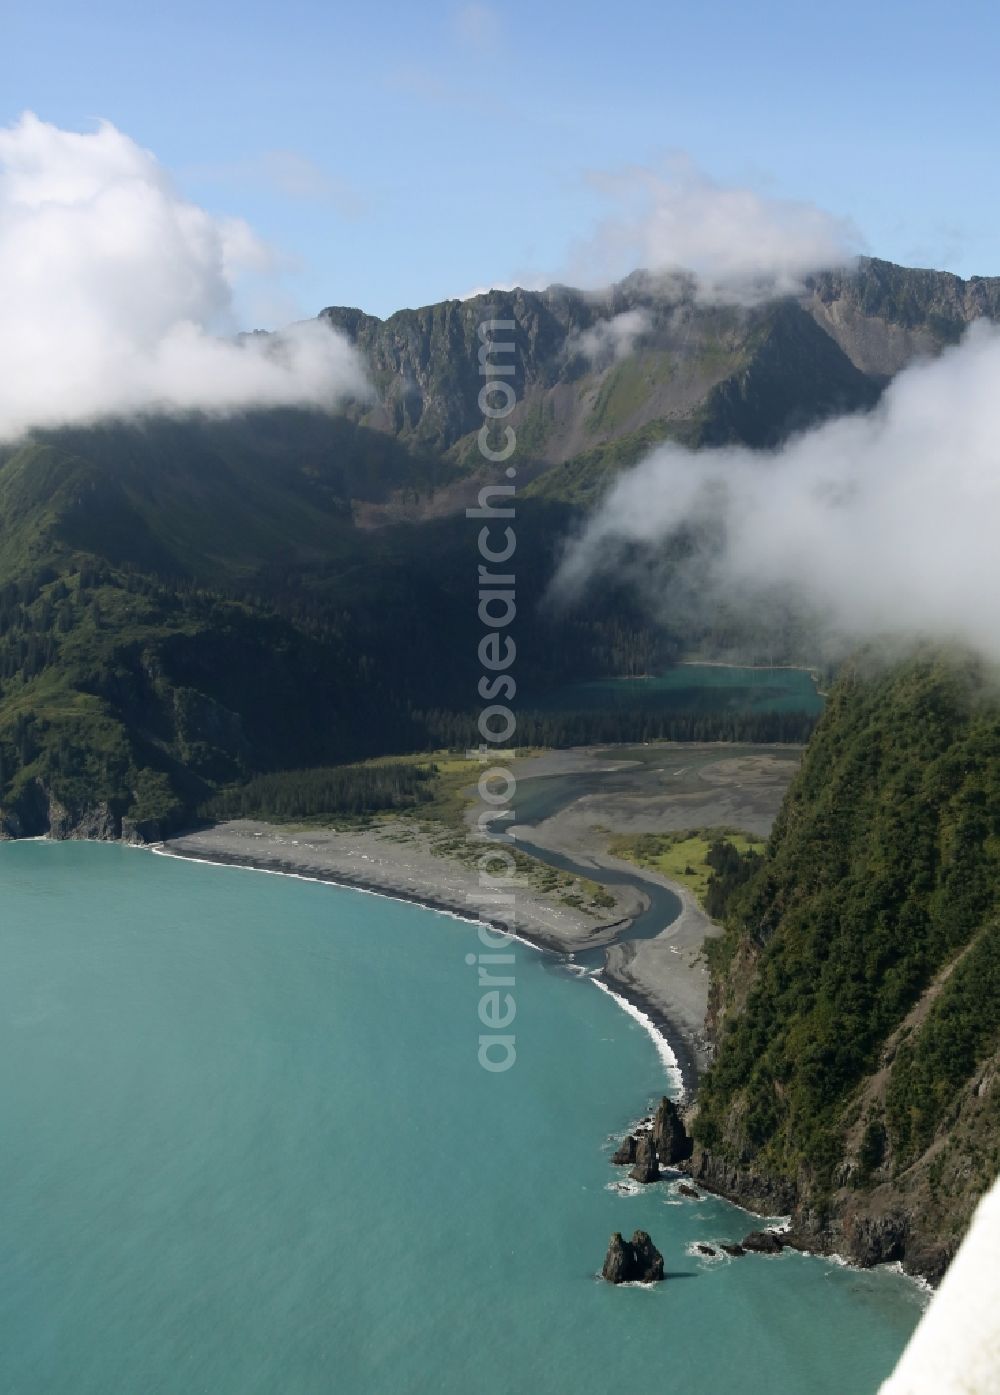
(719, 243)
(607, 341)
(739, 244)
(114, 290)
(881, 523)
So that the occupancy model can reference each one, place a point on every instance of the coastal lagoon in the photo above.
(249, 1148)
(709, 688)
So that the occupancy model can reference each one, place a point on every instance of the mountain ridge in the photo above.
(198, 600)
(699, 373)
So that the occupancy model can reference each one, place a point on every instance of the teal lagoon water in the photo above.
(694, 688)
(248, 1147)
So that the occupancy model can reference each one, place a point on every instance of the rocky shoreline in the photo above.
(849, 1235)
(663, 1140)
(843, 1228)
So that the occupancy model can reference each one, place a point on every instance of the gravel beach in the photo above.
(653, 789)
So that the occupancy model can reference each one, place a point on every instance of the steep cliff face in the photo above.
(883, 316)
(38, 812)
(602, 376)
(644, 361)
(857, 988)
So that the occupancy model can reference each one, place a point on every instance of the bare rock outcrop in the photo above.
(647, 1167)
(673, 1143)
(763, 1242)
(626, 1150)
(632, 1261)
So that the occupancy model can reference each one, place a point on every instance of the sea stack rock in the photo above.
(632, 1261)
(625, 1152)
(763, 1242)
(673, 1143)
(646, 1169)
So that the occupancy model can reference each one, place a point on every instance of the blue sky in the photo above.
(397, 154)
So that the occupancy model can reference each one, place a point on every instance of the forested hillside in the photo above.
(857, 988)
(178, 613)
(188, 603)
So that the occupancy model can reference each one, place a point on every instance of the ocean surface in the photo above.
(247, 1146)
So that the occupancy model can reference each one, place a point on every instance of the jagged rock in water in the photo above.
(763, 1242)
(646, 1169)
(626, 1150)
(673, 1143)
(705, 1250)
(734, 1250)
(685, 1190)
(632, 1261)
(618, 1260)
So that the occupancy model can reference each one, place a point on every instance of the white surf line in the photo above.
(840, 1261)
(663, 1048)
(160, 851)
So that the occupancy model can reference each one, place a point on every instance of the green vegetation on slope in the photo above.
(188, 604)
(181, 610)
(586, 477)
(860, 963)
(961, 1032)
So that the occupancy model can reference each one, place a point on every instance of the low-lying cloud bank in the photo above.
(741, 246)
(116, 290)
(720, 243)
(882, 523)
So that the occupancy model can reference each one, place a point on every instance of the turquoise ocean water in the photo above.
(247, 1147)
